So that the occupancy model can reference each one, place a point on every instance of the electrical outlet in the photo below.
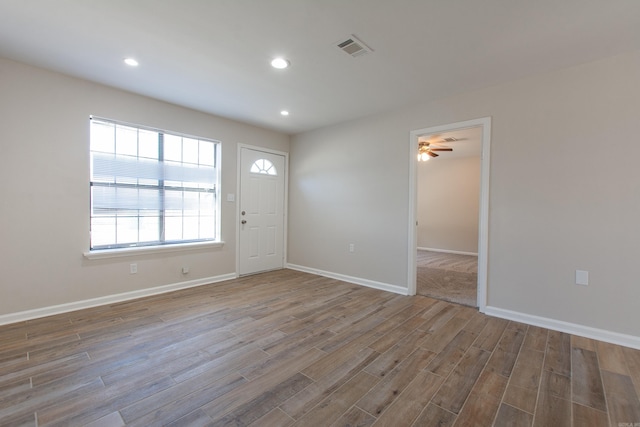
(185, 270)
(352, 247)
(133, 268)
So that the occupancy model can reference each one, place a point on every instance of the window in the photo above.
(150, 187)
(264, 167)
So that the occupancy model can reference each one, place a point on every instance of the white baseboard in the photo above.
(571, 328)
(109, 299)
(356, 280)
(447, 251)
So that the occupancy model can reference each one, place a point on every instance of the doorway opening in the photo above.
(448, 215)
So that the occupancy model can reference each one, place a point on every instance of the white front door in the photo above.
(262, 180)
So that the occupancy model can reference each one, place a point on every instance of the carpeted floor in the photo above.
(449, 277)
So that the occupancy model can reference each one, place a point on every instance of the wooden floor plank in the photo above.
(411, 402)
(558, 353)
(555, 384)
(434, 415)
(450, 356)
(261, 405)
(484, 400)
(583, 416)
(457, 387)
(524, 381)
(611, 358)
(552, 411)
(478, 411)
(248, 391)
(527, 370)
(506, 352)
(112, 420)
(439, 318)
(89, 407)
(536, 338)
(355, 417)
(275, 418)
(622, 399)
(396, 354)
(510, 416)
(196, 418)
(632, 357)
(523, 398)
(49, 401)
(584, 343)
(387, 390)
(491, 334)
(306, 399)
(286, 347)
(390, 338)
(586, 379)
(439, 339)
(338, 402)
(196, 392)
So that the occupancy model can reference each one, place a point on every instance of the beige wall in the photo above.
(564, 193)
(448, 203)
(44, 172)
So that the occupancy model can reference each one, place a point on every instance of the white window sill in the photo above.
(125, 252)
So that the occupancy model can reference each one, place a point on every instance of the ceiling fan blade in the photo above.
(432, 154)
(441, 149)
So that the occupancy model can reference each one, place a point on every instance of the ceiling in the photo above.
(213, 55)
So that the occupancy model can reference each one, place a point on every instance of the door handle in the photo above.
(243, 222)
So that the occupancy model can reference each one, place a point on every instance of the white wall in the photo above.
(564, 193)
(44, 173)
(448, 203)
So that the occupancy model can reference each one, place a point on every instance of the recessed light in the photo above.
(131, 62)
(280, 63)
(284, 112)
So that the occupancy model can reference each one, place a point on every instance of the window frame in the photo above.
(162, 244)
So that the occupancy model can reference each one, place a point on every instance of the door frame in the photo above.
(483, 216)
(285, 208)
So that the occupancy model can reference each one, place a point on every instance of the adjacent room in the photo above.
(214, 213)
(448, 204)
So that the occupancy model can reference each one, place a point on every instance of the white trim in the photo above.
(350, 279)
(483, 216)
(286, 198)
(562, 326)
(109, 299)
(448, 251)
(143, 250)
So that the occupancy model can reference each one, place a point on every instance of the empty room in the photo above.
(319, 213)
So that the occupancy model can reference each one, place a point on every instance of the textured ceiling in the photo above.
(213, 55)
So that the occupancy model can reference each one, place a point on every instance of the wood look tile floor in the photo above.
(288, 348)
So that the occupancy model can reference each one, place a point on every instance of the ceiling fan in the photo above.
(426, 149)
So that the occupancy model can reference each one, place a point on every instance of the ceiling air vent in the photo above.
(450, 139)
(353, 46)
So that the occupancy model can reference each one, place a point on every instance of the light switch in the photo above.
(231, 197)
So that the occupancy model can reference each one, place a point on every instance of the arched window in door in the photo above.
(264, 167)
